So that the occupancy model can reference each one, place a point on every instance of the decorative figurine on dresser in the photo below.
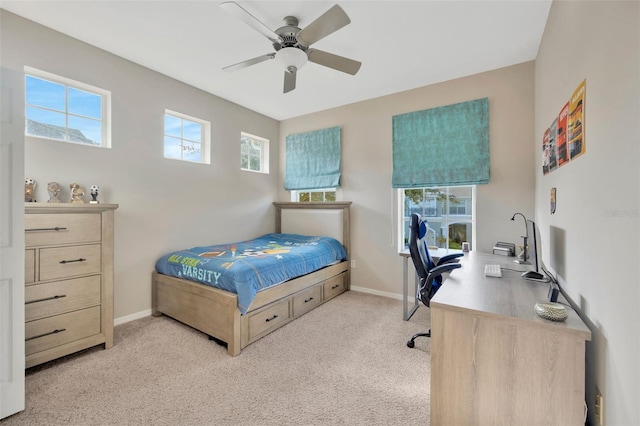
(54, 189)
(29, 190)
(93, 190)
(68, 274)
(77, 194)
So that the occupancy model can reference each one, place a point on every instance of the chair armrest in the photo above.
(425, 294)
(441, 269)
(450, 258)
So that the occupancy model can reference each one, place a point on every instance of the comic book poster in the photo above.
(561, 139)
(545, 152)
(577, 145)
(553, 162)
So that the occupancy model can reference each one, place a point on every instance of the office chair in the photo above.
(429, 272)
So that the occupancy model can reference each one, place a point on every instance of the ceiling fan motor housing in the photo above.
(290, 53)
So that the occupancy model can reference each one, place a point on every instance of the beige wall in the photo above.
(164, 204)
(367, 166)
(592, 239)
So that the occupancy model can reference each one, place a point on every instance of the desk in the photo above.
(494, 361)
(435, 255)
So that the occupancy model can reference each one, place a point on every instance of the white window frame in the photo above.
(401, 218)
(67, 82)
(205, 137)
(264, 153)
(295, 194)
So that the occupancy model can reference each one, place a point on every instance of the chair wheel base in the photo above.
(411, 343)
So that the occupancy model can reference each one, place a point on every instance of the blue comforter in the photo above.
(247, 267)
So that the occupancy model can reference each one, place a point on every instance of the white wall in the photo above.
(367, 166)
(164, 204)
(592, 239)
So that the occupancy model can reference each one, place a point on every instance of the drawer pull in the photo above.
(57, 228)
(271, 319)
(335, 286)
(70, 261)
(308, 300)
(57, 296)
(60, 330)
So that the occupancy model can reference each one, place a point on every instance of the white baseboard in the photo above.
(377, 292)
(132, 317)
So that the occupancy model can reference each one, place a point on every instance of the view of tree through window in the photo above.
(316, 195)
(448, 211)
(254, 153)
(184, 138)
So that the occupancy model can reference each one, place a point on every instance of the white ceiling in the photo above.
(401, 44)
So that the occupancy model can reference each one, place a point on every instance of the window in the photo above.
(186, 138)
(317, 195)
(61, 109)
(254, 153)
(449, 214)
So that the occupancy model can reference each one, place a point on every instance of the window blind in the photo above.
(444, 146)
(313, 159)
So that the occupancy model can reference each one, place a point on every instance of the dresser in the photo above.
(68, 279)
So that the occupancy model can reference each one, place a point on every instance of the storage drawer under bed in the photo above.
(266, 320)
(333, 287)
(306, 300)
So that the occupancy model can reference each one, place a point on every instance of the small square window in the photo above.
(62, 109)
(254, 153)
(186, 138)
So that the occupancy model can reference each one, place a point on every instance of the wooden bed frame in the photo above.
(215, 312)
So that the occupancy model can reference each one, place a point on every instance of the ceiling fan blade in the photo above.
(249, 62)
(336, 62)
(289, 79)
(330, 21)
(241, 13)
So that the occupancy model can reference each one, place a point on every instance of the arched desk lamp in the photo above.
(524, 260)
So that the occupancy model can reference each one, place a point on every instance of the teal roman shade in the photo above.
(313, 160)
(444, 146)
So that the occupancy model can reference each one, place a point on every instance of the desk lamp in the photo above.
(525, 237)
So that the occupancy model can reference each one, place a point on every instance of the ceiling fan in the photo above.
(291, 43)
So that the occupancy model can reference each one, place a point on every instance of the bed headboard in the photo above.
(329, 219)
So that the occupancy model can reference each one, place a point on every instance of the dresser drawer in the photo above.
(29, 266)
(307, 300)
(44, 300)
(333, 286)
(56, 229)
(268, 319)
(63, 262)
(48, 333)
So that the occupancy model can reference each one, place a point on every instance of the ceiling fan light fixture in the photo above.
(291, 57)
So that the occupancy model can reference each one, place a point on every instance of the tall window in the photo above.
(316, 195)
(449, 214)
(62, 109)
(254, 153)
(186, 138)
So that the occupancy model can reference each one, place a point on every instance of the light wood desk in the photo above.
(494, 361)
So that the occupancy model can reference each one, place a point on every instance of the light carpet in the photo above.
(344, 363)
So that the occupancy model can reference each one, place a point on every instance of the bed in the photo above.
(226, 318)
